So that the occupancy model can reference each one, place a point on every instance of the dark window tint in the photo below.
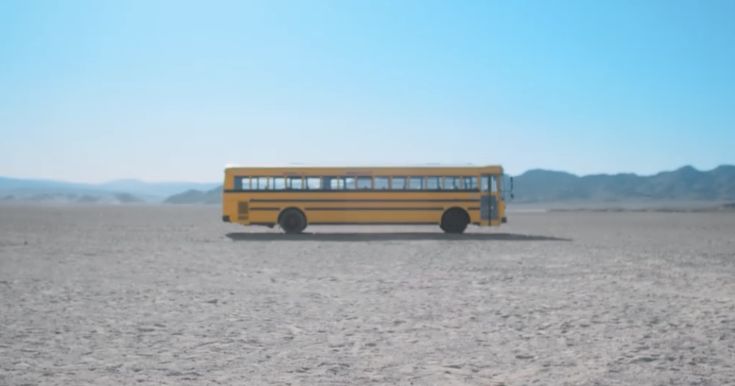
(381, 183)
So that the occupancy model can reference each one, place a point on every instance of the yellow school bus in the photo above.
(294, 197)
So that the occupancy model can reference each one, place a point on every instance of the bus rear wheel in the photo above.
(454, 220)
(292, 221)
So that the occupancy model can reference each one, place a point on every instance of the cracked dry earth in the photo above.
(170, 295)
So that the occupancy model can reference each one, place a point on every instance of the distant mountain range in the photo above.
(533, 186)
(193, 196)
(683, 184)
(113, 192)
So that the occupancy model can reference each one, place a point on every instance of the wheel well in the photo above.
(291, 208)
(458, 209)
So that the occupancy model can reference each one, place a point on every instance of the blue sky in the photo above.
(94, 91)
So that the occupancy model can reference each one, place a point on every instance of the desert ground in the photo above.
(171, 295)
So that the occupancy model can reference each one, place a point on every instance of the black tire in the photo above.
(292, 221)
(454, 220)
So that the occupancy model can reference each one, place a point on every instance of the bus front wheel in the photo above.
(292, 221)
(454, 220)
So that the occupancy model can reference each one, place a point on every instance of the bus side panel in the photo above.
(264, 215)
(229, 207)
(474, 215)
(348, 216)
(354, 207)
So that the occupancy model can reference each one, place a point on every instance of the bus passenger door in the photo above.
(489, 198)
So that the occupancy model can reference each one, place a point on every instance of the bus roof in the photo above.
(405, 169)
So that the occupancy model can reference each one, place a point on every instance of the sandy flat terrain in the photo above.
(170, 295)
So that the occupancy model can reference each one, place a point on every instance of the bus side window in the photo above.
(240, 183)
(459, 183)
(364, 183)
(313, 183)
(470, 183)
(398, 183)
(494, 184)
(295, 183)
(484, 183)
(416, 183)
(349, 183)
(279, 183)
(448, 183)
(432, 183)
(381, 183)
(262, 183)
(335, 183)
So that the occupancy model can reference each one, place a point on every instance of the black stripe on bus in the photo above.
(354, 208)
(363, 200)
(353, 191)
(375, 223)
(363, 208)
(361, 223)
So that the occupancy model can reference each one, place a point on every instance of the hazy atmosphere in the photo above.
(582, 236)
(172, 91)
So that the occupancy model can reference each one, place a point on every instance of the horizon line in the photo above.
(147, 181)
